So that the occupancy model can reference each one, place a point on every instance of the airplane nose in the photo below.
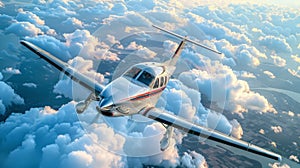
(105, 107)
(106, 103)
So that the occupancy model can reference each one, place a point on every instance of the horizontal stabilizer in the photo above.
(186, 39)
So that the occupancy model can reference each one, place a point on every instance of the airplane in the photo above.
(137, 92)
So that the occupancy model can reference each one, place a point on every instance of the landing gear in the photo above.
(166, 140)
(81, 106)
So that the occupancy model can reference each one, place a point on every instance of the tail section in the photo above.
(178, 51)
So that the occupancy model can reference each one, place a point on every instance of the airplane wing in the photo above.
(65, 68)
(218, 138)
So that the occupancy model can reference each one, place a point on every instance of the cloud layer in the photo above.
(247, 35)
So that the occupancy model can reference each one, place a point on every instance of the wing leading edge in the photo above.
(65, 68)
(219, 138)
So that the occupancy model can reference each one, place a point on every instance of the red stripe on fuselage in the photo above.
(145, 95)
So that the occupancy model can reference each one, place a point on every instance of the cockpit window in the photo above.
(133, 72)
(146, 78)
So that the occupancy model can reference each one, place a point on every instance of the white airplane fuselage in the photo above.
(136, 91)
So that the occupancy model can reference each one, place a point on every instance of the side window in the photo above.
(162, 81)
(166, 80)
(156, 84)
(146, 78)
(133, 72)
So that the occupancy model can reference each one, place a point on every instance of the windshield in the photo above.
(133, 72)
(146, 78)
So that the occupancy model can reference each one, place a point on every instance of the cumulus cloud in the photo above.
(289, 113)
(295, 158)
(8, 96)
(296, 58)
(27, 16)
(52, 45)
(262, 131)
(221, 32)
(243, 54)
(221, 85)
(276, 129)
(5, 20)
(60, 140)
(295, 73)
(141, 51)
(23, 29)
(278, 165)
(270, 74)
(275, 44)
(88, 46)
(59, 136)
(65, 145)
(71, 24)
(278, 61)
(274, 144)
(72, 89)
(11, 70)
(193, 159)
(237, 130)
(30, 85)
(244, 74)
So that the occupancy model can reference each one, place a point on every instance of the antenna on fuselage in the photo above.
(186, 39)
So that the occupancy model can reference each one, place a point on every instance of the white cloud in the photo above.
(276, 44)
(11, 70)
(130, 19)
(8, 96)
(296, 58)
(23, 29)
(141, 51)
(237, 130)
(78, 159)
(30, 85)
(274, 144)
(5, 20)
(278, 165)
(244, 74)
(243, 54)
(72, 89)
(88, 46)
(53, 46)
(71, 24)
(290, 113)
(220, 84)
(295, 158)
(295, 73)
(276, 129)
(221, 32)
(60, 139)
(270, 74)
(27, 16)
(193, 160)
(278, 61)
(68, 147)
(262, 131)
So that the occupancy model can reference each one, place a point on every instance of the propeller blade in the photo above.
(95, 119)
